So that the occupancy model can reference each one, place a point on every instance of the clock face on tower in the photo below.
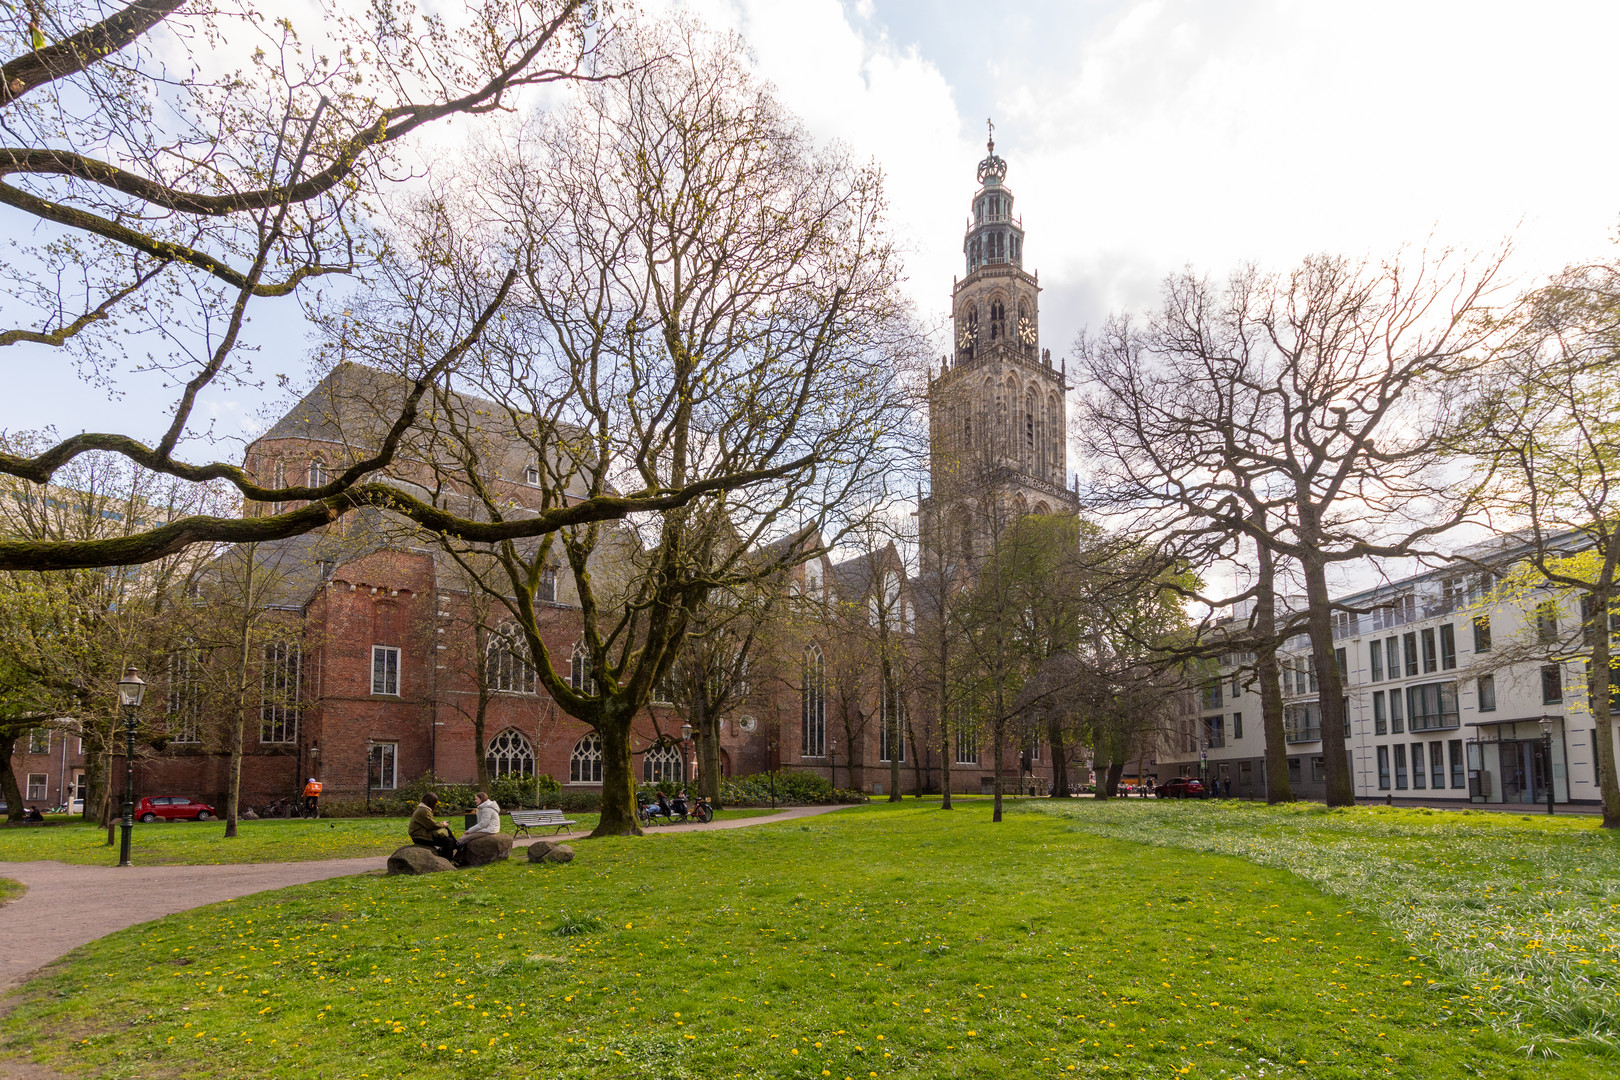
(1026, 331)
(964, 340)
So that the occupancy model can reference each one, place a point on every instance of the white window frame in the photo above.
(587, 752)
(35, 737)
(384, 652)
(661, 763)
(382, 766)
(38, 787)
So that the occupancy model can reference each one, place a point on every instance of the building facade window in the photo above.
(967, 743)
(1487, 693)
(813, 705)
(1214, 732)
(1417, 767)
(185, 697)
(1437, 765)
(1343, 663)
(385, 670)
(279, 679)
(548, 585)
(1303, 723)
(1392, 654)
(1383, 768)
(1552, 684)
(383, 766)
(1482, 634)
(1380, 717)
(891, 723)
(1431, 706)
(1547, 621)
(1454, 750)
(506, 662)
(37, 786)
(1431, 662)
(317, 474)
(579, 671)
(1375, 660)
(585, 764)
(1410, 648)
(1397, 718)
(1448, 647)
(1400, 766)
(510, 754)
(662, 764)
(39, 740)
(1237, 725)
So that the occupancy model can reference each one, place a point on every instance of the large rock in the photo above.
(415, 859)
(486, 848)
(550, 851)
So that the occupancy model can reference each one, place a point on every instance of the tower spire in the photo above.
(990, 143)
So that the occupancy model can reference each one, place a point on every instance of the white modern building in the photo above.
(1450, 697)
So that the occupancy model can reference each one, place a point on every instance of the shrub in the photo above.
(515, 792)
(792, 789)
(579, 802)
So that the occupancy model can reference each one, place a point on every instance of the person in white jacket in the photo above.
(488, 823)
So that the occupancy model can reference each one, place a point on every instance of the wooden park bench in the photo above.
(524, 820)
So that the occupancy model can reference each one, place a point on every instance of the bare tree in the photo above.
(709, 305)
(165, 209)
(1309, 412)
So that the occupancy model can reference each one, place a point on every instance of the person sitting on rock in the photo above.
(426, 832)
(488, 823)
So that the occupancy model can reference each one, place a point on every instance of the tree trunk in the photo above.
(1335, 757)
(233, 778)
(947, 753)
(8, 779)
(1278, 787)
(1060, 755)
(708, 751)
(480, 759)
(618, 779)
(996, 730)
(1599, 683)
(1116, 769)
(890, 711)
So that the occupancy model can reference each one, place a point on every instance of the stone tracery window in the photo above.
(585, 765)
(279, 676)
(507, 665)
(510, 754)
(662, 763)
(813, 705)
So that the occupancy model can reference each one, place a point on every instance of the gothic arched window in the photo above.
(998, 319)
(506, 662)
(510, 754)
(1029, 426)
(579, 671)
(813, 705)
(662, 763)
(585, 765)
(1054, 444)
(278, 692)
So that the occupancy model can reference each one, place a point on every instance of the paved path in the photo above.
(68, 906)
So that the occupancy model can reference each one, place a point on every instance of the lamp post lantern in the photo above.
(686, 748)
(131, 690)
(1546, 756)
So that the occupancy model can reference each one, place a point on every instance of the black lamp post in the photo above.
(686, 747)
(131, 689)
(1546, 756)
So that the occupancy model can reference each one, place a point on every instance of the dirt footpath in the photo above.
(68, 906)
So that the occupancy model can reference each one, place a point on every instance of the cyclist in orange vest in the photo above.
(312, 797)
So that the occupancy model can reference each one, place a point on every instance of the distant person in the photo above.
(312, 797)
(34, 817)
(426, 832)
(488, 823)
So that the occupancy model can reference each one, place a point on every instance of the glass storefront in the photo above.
(1512, 761)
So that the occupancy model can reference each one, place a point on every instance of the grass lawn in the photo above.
(203, 843)
(1520, 912)
(877, 942)
(10, 890)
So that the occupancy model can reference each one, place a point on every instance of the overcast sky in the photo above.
(1145, 136)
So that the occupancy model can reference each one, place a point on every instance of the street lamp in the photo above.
(1546, 756)
(686, 745)
(131, 690)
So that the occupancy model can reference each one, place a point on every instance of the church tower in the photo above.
(997, 409)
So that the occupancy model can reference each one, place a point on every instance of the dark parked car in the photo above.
(172, 808)
(1182, 787)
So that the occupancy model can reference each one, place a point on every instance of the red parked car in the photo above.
(172, 808)
(1181, 787)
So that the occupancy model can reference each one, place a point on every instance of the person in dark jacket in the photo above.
(426, 832)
